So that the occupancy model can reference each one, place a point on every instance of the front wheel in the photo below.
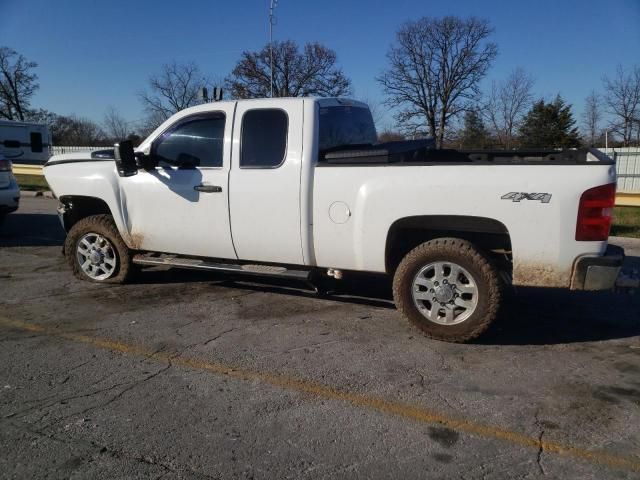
(448, 289)
(96, 252)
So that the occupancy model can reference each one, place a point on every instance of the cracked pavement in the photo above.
(191, 375)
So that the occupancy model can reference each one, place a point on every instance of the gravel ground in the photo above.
(190, 375)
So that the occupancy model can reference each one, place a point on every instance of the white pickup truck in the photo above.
(298, 187)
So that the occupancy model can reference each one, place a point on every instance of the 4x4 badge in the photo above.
(519, 196)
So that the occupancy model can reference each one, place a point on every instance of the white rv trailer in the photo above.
(23, 142)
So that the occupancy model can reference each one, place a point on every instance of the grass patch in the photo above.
(626, 222)
(32, 182)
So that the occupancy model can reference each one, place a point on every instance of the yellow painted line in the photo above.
(411, 412)
(628, 199)
(27, 169)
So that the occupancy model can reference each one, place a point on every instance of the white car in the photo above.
(9, 190)
(298, 188)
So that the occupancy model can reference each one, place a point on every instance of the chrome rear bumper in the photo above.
(598, 272)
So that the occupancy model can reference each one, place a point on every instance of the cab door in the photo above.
(265, 181)
(182, 206)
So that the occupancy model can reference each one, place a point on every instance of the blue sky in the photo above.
(96, 54)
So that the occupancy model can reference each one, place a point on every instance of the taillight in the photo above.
(5, 165)
(594, 213)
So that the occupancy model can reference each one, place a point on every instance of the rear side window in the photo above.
(193, 142)
(264, 138)
(36, 142)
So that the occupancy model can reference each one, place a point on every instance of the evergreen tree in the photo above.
(549, 125)
(474, 135)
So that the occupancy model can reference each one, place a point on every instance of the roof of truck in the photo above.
(259, 103)
(322, 101)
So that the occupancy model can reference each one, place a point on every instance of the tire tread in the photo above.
(104, 225)
(447, 247)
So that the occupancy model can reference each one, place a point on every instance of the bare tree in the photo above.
(376, 108)
(295, 74)
(508, 103)
(177, 87)
(591, 117)
(390, 136)
(75, 130)
(435, 67)
(17, 84)
(115, 126)
(41, 116)
(622, 97)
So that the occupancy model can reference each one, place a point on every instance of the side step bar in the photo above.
(198, 264)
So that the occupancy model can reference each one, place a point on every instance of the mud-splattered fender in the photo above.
(74, 175)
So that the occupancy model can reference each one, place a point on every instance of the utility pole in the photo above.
(272, 22)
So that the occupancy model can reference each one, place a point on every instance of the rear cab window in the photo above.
(345, 126)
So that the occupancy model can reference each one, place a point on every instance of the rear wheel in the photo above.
(96, 252)
(448, 289)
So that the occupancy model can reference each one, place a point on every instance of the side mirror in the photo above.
(146, 162)
(125, 159)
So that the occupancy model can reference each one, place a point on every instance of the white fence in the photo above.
(628, 168)
(60, 150)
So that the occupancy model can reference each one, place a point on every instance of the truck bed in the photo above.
(421, 152)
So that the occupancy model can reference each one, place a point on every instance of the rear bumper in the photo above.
(598, 272)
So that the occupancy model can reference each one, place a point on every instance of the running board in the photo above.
(198, 264)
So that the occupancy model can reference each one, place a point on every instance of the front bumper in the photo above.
(598, 272)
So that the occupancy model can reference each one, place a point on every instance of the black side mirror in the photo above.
(125, 159)
(146, 162)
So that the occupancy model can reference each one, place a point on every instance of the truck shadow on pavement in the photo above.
(531, 316)
(31, 230)
(547, 316)
(374, 292)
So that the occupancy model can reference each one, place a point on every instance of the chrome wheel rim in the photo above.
(96, 256)
(445, 293)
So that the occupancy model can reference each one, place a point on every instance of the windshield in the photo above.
(346, 125)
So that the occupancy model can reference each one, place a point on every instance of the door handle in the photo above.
(208, 188)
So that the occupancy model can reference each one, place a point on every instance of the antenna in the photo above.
(272, 22)
(204, 94)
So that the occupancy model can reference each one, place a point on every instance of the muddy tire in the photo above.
(96, 252)
(448, 289)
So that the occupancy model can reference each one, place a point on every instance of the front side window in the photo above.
(194, 142)
(264, 138)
